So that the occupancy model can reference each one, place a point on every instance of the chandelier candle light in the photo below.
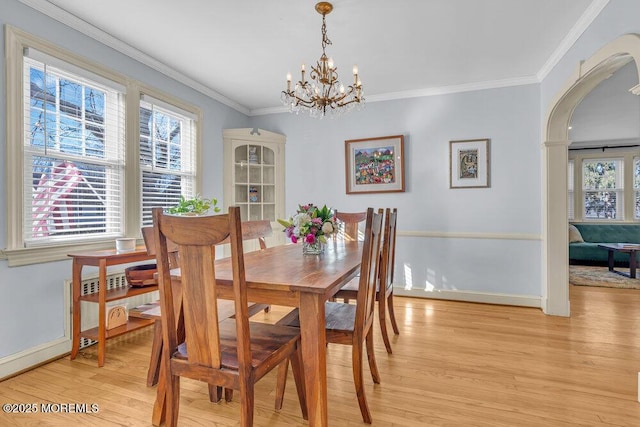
(324, 94)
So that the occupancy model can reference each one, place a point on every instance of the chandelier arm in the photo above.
(300, 101)
(327, 77)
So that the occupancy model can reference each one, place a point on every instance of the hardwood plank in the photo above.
(454, 363)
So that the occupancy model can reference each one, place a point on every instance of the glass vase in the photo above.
(313, 248)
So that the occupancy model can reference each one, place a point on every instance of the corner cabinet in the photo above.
(254, 175)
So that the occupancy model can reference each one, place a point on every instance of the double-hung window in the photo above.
(636, 187)
(603, 188)
(167, 155)
(571, 192)
(89, 152)
(73, 158)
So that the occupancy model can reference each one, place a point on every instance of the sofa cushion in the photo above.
(574, 235)
(594, 233)
(609, 232)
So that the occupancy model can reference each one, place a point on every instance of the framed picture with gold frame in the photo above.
(375, 165)
(469, 163)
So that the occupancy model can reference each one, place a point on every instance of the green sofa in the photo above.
(588, 252)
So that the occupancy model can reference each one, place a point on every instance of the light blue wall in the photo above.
(510, 117)
(31, 306)
(619, 17)
(315, 172)
(609, 114)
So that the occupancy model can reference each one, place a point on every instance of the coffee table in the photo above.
(629, 248)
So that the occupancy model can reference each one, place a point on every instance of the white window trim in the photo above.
(113, 161)
(571, 196)
(627, 154)
(172, 107)
(16, 41)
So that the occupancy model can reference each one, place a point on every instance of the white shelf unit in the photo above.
(254, 175)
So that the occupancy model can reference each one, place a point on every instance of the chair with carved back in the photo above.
(250, 230)
(349, 229)
(232, 353)
(351, 324)
(384, 290)
(349, 222)
(257, 230)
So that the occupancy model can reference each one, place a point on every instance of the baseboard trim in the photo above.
(471, 296)
(32, 357)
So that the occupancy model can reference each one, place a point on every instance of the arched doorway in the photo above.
(588, 74)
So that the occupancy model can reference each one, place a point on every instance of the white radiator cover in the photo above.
(89, 310)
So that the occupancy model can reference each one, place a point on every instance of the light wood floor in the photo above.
(454, 364)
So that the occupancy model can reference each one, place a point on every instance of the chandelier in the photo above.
(324, 94)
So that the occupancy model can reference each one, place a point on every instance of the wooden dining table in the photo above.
(283, 275)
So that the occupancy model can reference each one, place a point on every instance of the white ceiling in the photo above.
(240, 51)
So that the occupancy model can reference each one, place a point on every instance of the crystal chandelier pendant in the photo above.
(323, 95)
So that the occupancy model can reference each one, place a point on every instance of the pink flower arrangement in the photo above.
(310, 224)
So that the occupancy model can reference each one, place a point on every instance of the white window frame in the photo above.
(627, 154)
(618, 190)
(188, 147)
(114, 149)
(636, 190)
(571, 192)
(16, 41)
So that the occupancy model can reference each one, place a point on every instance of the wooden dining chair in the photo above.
(256, 230)
(250, 230)
(232, 353)
(384, 289)
(349, 229)
(351, 324)
(349, 224)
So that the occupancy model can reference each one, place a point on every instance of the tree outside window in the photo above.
(602, 185)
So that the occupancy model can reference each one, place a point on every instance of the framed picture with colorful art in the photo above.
(469, 163)
(375, 165)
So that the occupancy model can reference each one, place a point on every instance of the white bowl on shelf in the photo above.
(125, 244)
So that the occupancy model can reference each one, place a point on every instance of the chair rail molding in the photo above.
(469, 235)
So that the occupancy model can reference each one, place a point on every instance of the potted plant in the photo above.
(194, 206)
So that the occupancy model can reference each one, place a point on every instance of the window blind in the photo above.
(603, 188)
(571, 194)
(73, 152)
(167, 154)
(636, 186)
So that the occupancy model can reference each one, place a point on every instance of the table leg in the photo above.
(102, 311)
(632, 264)
(611, 259)
(75, 292)
(314, 356)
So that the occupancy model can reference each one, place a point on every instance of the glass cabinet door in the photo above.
(254, 173)
(254, 181)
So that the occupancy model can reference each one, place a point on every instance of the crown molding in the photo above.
(589, 15)
(84, 27)
(268, 110)
(442, 90)
(445, 90)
